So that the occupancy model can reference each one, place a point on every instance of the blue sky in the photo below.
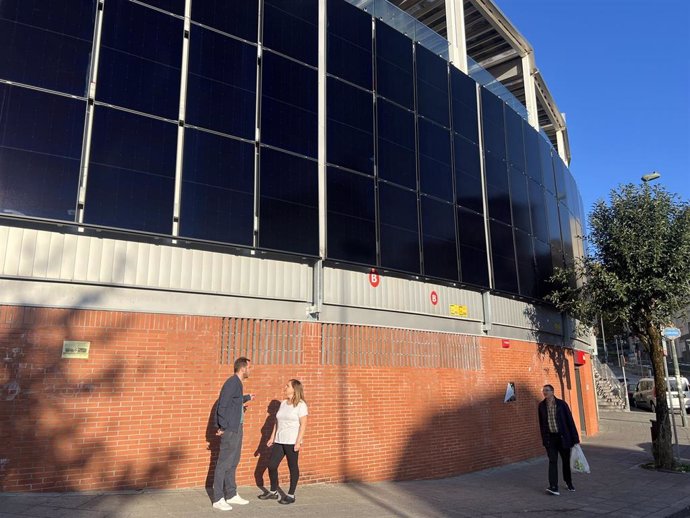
(620, 71)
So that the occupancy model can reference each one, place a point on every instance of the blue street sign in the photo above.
(671, 332)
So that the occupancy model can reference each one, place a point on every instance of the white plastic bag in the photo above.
(578, 462)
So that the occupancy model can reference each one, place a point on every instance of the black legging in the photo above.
(280, 451)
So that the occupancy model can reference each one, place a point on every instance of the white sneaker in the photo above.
(237, 499)
(222, 505)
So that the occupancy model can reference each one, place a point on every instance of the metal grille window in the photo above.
(265, 342)
(376, 346)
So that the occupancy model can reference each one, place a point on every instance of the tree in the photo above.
(637, 274)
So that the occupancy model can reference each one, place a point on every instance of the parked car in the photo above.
(631, 393)
(630, 389)
(645, 394)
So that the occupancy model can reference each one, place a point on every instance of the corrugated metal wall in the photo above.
(260, 285)
(348, 288)
(43, 255)
(515, 313)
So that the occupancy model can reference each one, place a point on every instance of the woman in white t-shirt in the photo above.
(286, 439)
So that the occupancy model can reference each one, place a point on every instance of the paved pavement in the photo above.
(617, 486)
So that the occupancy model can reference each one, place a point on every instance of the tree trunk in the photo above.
(663, 446)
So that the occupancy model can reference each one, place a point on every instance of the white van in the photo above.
(645, 395)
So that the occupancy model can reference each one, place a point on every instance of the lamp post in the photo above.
(646, 178)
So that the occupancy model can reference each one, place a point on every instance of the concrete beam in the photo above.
(457, 39)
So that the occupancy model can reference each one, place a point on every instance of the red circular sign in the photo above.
(374, 278)
(434, 298)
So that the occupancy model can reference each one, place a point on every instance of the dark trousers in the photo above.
(280, 451)
(554, 449)
(226, 466)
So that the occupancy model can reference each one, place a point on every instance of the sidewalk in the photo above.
(617, 486)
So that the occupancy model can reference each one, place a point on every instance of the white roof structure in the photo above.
(490, 40)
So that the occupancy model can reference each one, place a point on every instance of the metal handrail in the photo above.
(607, 374)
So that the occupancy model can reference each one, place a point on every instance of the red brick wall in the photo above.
(137, 412)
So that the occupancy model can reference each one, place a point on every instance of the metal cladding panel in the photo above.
(186, 271)
(515, 313)
(28, 244)
(510, 312)
(68, 257)
(13, 244)
(56, 250)
(4, 236)
(81, 260)
(348, 288)
(47, 255)
(98, 256)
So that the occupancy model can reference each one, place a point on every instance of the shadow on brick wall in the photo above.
(263, 452)
(502, 433)
(212, 445)
(56, 414)
(556, 354)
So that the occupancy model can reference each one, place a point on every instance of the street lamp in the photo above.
(650, 176)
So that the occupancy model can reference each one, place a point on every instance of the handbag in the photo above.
(578, 461)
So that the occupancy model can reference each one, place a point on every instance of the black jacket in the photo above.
(230, 405)
(564, 420)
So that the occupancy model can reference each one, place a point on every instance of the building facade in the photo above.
(331, 188)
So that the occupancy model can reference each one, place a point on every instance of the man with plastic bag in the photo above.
(558, 435)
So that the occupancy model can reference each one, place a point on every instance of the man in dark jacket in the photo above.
(229, 418)
(558, 435)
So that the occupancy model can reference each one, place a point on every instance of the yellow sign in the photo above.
(458, 311)
(75, 350)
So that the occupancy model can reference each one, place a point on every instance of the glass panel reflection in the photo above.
(438, 239)
(532, 159)
(399, 228)
(542, 254)
(514, 140)
(291, 28)
(350, 135)
(493, 125)
(131, 179)
(221, 91)
(557, 256)
(546, 166)
(47, 44)
(432, 86)
(40, 148)
(289, 105)
(396, 145)
(472, 241)
(236, 18)
(527, 273)
(141, 55)
(519, 200)
(435, 176)
(497, 190)
(349, 43)
(394, 66)
(172, 6)
(553, 220)
(538, 211)
(288, 207)
(351, 217)
(217, 188)
(566, 230)
(503, 257)
(560, 173)
(468, 179)
(464, 100)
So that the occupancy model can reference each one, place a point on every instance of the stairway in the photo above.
(611, 394)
